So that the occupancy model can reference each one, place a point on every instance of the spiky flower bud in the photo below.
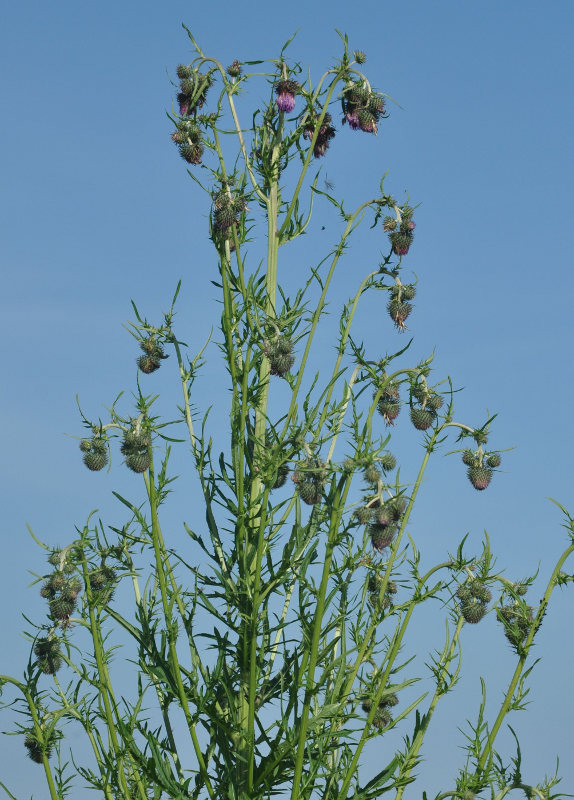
(435, 401)
(372, 475)
(388, 462)
(408, 291)
(517, 620)
(359, 56)
(139, 462)
(282, 475)
(279, 351)
(398, 312)
(469, 458)
(389, 224)
(480, 477)
(184, 71)
(85, 445)
(61, 608)
(234, 69)
(95, 461)
(494, 460)
(47, 651)
(479, 591)
(286, 91)
(36, 751)
(381, 536)
(422, 418)
(192, 153)
(473, 612)
(363, 515)
(309, 478)
(148, 364)
(401, 242)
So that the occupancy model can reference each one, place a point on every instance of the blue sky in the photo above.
(96, 209)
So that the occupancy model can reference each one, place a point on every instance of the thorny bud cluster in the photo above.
(136, 447)
(153, 355)
(324, 136)
(362, 107)
(517, 619)
(384, 520)
(480, 466)
(424, 405)
(399, 307)
(379, 600)
(400, 230)
(279, 352)
(382, 718)
(474, 598)
(310, 478)
(95, 452)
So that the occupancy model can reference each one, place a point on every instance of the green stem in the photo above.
(506, 703)
(411, 756)
(160, 556)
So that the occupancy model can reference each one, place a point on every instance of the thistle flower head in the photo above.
(286, 91)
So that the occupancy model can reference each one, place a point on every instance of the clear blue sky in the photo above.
(96, 209)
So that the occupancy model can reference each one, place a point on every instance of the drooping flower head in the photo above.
(326, 133)
(286, 91)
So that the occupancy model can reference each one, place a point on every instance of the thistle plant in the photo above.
(267, 653)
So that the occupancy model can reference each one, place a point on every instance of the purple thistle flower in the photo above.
(353, 120)
(286, 91)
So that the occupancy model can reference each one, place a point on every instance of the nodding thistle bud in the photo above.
(153, 355)
(139, 462)
(359, 56)
(234, 69)
(48, 653)
(422, 418)
(473, 612)
(192, 153)
(469, 458)
(517, 620)
(480, 477)
(37, 751)
(136, 447)
(389, 224)
(309, 478)
(96, 457)
(362, 107)
(381, 536)
(184, 71)
(388, 405)
(279, 352)
(372, 475)
(282, 475)
(401, 242)
(102, 585)
(398, 312)
(382, 717)
(363, 515)
(388, 462)
(61, 608)
(286, 91)
(324, 136)
(493, 460)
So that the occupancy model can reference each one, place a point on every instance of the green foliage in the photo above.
(267, 667)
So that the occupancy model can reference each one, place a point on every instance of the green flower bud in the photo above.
(363, 515)
(473, 612)
(139, 462)
(388, 462)
(469, 458)
(95, 461)
(422, 418)
(184, 71)
(494, 460)
(281, 478)
(479, 477)
(372, 475)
